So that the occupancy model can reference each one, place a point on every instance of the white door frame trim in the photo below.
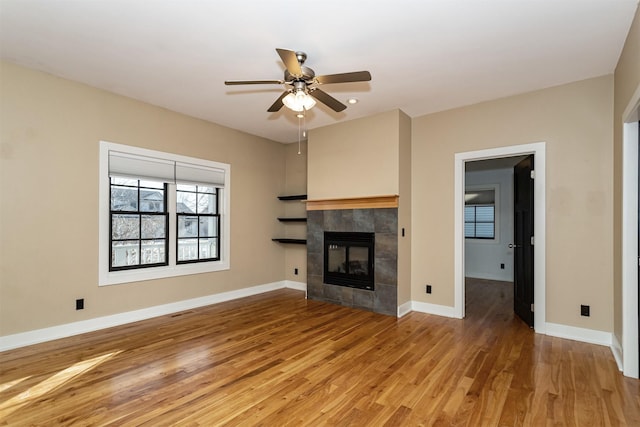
(630, 237)
(538, 149)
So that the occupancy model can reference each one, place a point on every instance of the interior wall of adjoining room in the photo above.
(50, 135)
(575, 121)
(483, 258)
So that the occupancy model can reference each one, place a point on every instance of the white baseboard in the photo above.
(404, 309)
(579, 334)
(439, 310)
(485, 276)
(23, 339)
(291, 284)
(616, 349)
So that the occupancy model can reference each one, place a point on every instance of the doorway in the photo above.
(498, 229)
(538, 150)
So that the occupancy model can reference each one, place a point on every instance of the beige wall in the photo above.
(49, 135)
(404, 209)
(627, 81)
(575, 121)
(296, 183)
(357, 158)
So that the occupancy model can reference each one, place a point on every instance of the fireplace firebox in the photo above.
(349, 259)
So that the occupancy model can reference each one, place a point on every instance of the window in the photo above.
(161, 215)
(139, 221)
(198, 223)
(479, 214)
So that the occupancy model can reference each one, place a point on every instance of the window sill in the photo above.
(154, 273)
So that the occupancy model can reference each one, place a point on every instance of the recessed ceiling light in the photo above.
(352, 101)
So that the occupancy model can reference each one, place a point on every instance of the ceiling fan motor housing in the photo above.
(307, 75)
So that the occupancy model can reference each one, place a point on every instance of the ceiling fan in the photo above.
(303, 92)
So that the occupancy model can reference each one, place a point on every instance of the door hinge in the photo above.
(533, 240)
(532, 308)
(533, 174)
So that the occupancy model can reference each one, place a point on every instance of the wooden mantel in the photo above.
(371, 202)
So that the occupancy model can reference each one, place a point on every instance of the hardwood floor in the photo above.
(277, 359)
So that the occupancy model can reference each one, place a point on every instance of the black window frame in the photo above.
(140, 214)
(199, 215)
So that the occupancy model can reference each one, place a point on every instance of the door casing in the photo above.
(628, 350)
(538, 149)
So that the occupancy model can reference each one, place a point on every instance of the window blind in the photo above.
(197, 174)
(144, 167)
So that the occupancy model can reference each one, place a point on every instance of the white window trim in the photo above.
(106, 277)
(496, 212)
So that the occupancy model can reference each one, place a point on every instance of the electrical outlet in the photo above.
(80, 304)
(428, 290)
(295, 271)
(502, 266)
(584, 310)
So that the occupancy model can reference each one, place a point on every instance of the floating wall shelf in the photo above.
(295, 197)
(295, 241)
(293, 219)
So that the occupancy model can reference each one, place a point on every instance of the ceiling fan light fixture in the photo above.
(299, 101)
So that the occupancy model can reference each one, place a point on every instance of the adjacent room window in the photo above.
(161, 215)
(479, 214)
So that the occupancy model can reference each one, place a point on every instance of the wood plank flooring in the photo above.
(279, 360)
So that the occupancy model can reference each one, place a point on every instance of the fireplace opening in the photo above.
(349, 259)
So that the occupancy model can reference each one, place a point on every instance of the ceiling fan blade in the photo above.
(253, 82)
(276, 106)
(356, 76)
(327, 99)
(290, 60)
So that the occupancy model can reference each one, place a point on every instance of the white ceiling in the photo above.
(424, 55)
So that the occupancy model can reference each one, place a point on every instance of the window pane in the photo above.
(124, 198)
(187, 226)
(208, 226)
(153, 226)
(184, 187)
(484, 229)
(202, 189)
(208, 248)
(484, 213)
(469, 213)
(153, 252)
(186, 202)
(124, 181)
(152, 184)
(151, 200)
(124, 253)
(125, 227)
(206, 203)
(469, 229)
(187, 249)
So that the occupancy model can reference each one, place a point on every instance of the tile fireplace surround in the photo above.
(381, 221)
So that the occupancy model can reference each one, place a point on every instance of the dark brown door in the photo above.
(523, 240)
